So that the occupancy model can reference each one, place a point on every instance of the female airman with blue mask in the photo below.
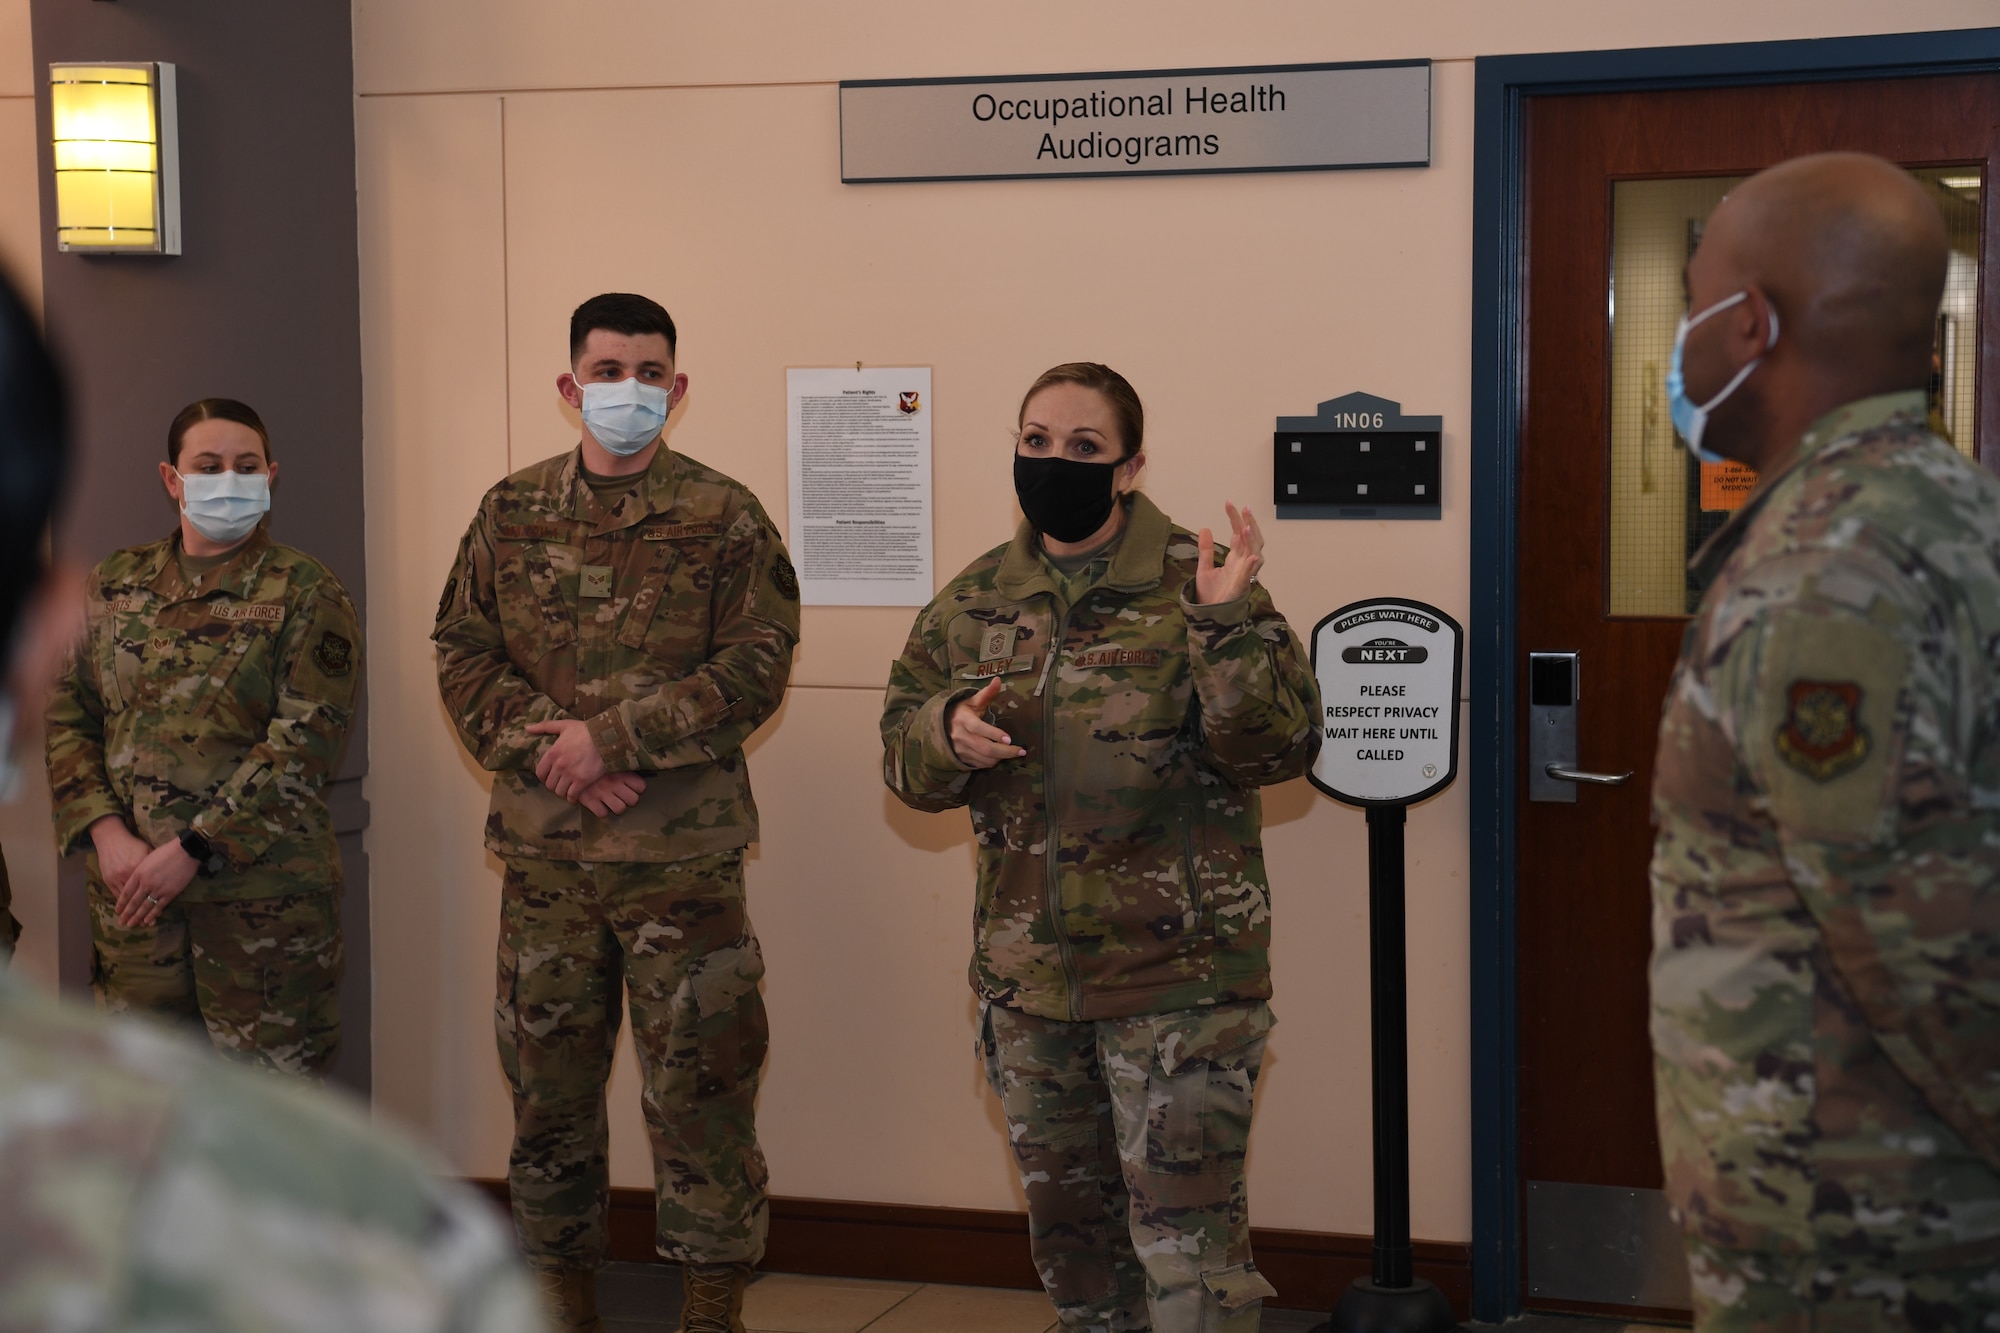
(188, 748)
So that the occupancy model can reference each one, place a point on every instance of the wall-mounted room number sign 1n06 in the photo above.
(1388, 672)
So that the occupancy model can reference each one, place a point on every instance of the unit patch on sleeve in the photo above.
(785, 578)
(334, 654)
(1822, 736)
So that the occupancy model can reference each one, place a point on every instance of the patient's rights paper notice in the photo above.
(860, 450)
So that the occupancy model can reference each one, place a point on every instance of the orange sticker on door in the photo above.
(1726, 485)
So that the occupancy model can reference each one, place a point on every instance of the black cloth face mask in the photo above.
(1063, 498)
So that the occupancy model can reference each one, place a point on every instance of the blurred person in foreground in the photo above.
(144, 1183)
(1826, 876)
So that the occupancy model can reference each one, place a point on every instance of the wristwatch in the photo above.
(197, 847)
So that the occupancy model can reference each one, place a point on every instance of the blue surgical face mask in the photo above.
(1690, 419)
(625, 416)
(225, 507)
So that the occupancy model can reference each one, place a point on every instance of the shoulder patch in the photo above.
(785, 578)
(1822, 736)
(334, 654)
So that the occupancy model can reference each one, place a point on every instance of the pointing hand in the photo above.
(974, 740)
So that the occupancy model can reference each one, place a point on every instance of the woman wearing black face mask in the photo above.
(1106, 695)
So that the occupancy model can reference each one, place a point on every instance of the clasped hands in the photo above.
(979, 744)
(573, 769)
(143, 879)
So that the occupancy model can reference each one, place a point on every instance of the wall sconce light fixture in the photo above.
(117, 153)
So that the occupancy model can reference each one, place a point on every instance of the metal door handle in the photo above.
(1561, 774)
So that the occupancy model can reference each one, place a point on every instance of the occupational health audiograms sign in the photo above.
(860, 463)
(1388, 672)
(1142, 123)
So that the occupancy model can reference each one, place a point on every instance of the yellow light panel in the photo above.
(115, 158)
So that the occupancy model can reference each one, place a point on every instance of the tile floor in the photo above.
(645, 1298)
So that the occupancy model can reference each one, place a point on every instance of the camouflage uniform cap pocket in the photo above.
(1237, 1287)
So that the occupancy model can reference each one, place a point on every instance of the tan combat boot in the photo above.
(569, 1294)
(712, 1297)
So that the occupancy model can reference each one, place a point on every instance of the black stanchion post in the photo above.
(1393, 1299)
(1388, 671)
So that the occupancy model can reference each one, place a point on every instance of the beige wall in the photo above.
(516, 156)
(24, 822)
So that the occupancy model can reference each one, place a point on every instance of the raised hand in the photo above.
(1213, 583)
(974, 740)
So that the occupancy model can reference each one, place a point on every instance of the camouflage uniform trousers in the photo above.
(676, 938)
(261, 974)
(1739, 1292)
(1131, 1149)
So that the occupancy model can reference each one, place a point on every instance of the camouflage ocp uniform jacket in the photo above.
(1121, 866)
(1826, 877)
(220, 705)
(667, 622)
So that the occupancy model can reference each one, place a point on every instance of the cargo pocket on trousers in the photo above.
(720, 1003)
(1238, 1289)
(1198, 1095)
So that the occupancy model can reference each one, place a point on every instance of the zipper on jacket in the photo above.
(1053, 830)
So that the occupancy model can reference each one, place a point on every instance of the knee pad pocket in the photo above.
(1198, 1097)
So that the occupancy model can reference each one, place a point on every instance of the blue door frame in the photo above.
(1501, 85)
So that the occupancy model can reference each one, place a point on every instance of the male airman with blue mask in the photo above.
(1826, 875)
(620, 619)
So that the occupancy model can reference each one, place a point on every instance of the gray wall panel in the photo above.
(263, 304)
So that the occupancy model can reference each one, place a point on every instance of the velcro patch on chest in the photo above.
(125, 603)
(1822, 736)
(998, 641)
(669, 532)
(1116, 657)
(272, 613)
(1012, 665)
(528, 532)
(594, 581)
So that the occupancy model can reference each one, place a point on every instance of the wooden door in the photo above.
(1618, 187)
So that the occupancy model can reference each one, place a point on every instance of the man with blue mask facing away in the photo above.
(189, 746)
(618, 622)
(1826, 874)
